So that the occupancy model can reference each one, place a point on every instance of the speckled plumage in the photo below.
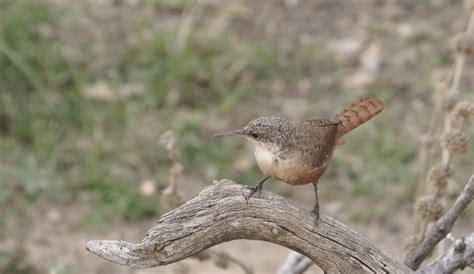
(299, 152)
(296, 153)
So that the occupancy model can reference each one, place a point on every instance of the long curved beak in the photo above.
(227, 133)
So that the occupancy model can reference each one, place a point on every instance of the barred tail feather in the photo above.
(358, 113)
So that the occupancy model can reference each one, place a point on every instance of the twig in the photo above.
(441, 228)
(171, 199)
(220, 214)
(187, 23)
(221, 259)
(458, 70)
(245, 268)
(29, 73)
(454, 89)
(295, 263)
(452, 95)
(459, 256)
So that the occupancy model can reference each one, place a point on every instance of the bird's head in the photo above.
(263, 130)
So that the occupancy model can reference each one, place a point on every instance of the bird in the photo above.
(299, 153)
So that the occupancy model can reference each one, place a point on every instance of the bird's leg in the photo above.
(256, 188)
(316, 205)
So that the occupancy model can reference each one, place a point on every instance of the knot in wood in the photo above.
(459, 246)
(168, 250)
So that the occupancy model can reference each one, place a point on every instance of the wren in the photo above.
(298, 153)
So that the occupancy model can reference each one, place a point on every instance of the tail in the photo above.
(358, 113)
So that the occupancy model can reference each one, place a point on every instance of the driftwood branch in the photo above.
(441, 228)
(459, 256)
(220, 214)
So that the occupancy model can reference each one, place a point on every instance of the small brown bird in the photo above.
(298, 153)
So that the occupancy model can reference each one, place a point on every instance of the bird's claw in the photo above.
(253, 190)
(257, 188)
(315, 212)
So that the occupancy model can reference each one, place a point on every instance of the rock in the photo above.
(99, 91)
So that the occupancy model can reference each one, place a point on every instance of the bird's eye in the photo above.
(254, 135)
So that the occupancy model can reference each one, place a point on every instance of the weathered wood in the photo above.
(459, 256)
(441, 228)
(220, 214)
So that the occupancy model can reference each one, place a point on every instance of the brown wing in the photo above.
(317, 138)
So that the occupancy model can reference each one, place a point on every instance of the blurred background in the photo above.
(103, 103)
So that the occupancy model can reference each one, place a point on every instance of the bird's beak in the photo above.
(228, 133)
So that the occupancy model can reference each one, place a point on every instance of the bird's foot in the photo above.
(257, 188)
(315, 212)
(253, 190)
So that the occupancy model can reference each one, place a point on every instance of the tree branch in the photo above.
(220, 214)
(459, 256)
(441, 228)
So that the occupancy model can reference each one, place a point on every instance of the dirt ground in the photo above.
(351, 29)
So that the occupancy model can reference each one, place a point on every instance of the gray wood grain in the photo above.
(441, 228)
(220, 214)
(459, 256)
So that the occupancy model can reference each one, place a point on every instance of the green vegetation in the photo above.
(58, 143)
(86, 94)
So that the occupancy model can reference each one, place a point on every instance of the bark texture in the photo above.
(459, 256)
(220, 214)
(441, 228)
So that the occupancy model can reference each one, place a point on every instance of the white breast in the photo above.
(270, 164)
(265, 158)
(288, 169)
